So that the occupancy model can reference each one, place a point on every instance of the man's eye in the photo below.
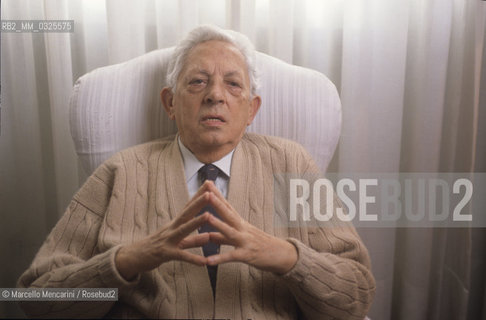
(234, 84)
(196, 81)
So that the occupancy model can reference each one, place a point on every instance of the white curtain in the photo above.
(411, 77)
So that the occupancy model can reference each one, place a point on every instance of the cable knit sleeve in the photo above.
(336, 283)
(70, 257)
(332, 278)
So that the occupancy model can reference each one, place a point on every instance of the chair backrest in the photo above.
(119, 106)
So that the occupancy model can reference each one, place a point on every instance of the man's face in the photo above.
(212, 105)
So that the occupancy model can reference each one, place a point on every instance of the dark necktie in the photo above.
(209, 172)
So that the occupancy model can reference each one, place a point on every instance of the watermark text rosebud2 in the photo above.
(383, 200)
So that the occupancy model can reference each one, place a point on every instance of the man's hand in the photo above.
(169, 242)
(252, 245)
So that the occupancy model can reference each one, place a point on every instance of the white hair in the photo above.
(207, 33)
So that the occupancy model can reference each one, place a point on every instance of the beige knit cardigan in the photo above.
(142, 188)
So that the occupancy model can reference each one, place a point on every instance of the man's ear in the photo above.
(167, 97)
(255, 103)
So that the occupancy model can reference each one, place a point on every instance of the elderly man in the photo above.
(182, 226)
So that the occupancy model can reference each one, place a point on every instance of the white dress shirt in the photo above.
(192, 166)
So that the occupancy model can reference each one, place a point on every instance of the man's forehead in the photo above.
(219, 46)
(196, 69)
(203, 56)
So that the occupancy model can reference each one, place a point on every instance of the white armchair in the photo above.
(119, 106)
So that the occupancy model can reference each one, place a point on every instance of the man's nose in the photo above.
(215, 94)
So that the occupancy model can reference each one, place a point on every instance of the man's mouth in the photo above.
(212, 119)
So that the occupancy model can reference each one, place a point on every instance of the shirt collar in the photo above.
(192, 164)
